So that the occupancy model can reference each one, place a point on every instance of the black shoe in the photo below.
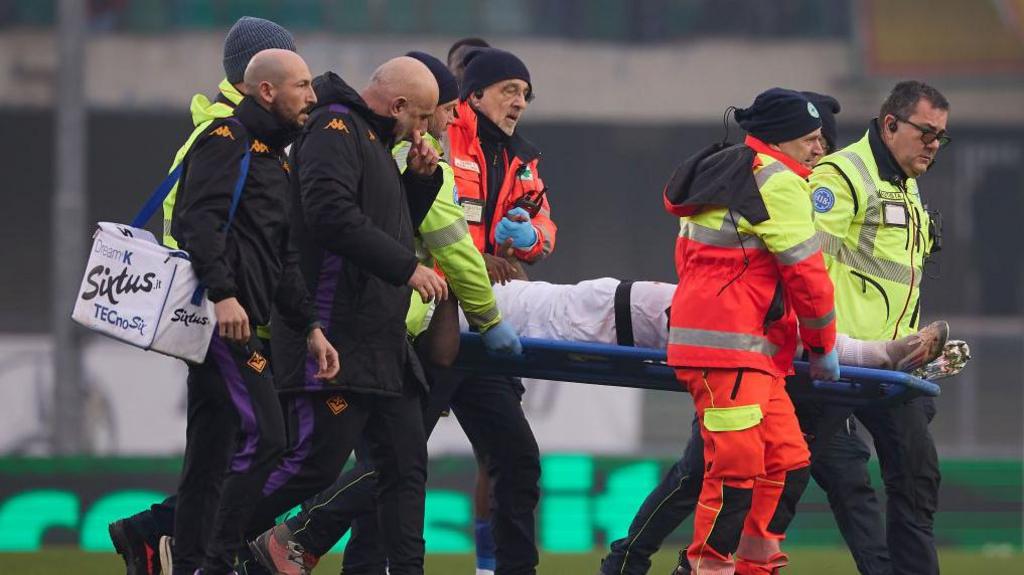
(139, 556)
(683, 567)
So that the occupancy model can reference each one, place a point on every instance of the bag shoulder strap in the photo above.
(157, 198)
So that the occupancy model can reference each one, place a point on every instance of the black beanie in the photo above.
(828, 107)
(248, 37)
(489, 66)
(779, 115)
(447, 85)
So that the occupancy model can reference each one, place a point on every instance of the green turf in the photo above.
(805, 561)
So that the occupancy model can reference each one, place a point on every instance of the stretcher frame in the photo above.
(645, 368)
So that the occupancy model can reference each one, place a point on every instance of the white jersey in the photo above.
(583, 311)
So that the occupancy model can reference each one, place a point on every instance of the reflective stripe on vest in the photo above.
(802, 250)
(721, 340)
(867, 263)
(482, 318)
(545, 244)
(862, 258)
(817, 322)
(726, 237)
(873, 210)
(762, 175)
(799, 252)
(445, 236)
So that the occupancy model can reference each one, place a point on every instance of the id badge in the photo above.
(473, 210)
(894, 214)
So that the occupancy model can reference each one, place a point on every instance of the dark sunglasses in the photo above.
(928, 135)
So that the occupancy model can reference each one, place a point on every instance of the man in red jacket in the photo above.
(750, 270)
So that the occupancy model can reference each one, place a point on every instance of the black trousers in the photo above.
(490, 411)
(838, 464)
(235, 433)
(322, 429)
(395, 447)
(910, 471)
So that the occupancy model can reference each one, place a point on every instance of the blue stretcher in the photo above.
(645, 368)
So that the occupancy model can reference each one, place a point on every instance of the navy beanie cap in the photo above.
(489, 66)
(779, 115)
(447, 85)
(248, 37)
(828, 107)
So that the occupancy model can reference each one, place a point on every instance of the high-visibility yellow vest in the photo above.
(203, 113)
(875, 236)
(443, 238)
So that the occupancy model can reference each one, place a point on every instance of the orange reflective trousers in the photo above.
(756, 467)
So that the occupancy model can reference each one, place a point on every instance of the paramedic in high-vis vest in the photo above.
(876, 234)
(750, 273)
(137, 538)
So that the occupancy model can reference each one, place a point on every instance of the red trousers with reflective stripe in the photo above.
(745, 472)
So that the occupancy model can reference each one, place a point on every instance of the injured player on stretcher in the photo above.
(596, 311)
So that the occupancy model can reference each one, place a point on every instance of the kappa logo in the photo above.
(373, 137)
(337, 404)
(287, 167)
(337, 124)
(259, 147)
(257, 362)
(224, 132)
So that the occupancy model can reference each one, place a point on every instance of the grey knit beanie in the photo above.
(248, 37)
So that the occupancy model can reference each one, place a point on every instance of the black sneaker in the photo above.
(139, 556)
(683, 567)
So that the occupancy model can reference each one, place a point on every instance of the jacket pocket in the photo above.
(732, 418)
(776, 309)
(865, 281)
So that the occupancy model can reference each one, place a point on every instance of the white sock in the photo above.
(860, 353)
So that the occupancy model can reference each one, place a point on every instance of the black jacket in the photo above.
(254, 261)
(718, 175)
(354, 226)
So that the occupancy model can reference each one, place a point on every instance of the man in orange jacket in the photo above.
(507, 212)
(496, 175)
(750, 270)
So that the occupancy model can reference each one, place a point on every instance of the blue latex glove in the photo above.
(522, 233)
(501, 338)
(824, 367)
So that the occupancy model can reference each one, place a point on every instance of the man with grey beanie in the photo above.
(137, 538)
(248, 36)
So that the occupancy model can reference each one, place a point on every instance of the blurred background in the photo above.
(94, 101)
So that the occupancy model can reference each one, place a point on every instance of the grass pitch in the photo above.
(804, 561)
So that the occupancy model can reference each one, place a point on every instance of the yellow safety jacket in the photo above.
(443, 238)
(203, 113)
(875, 234)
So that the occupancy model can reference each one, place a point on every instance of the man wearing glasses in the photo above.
(876, 234)
(509, 218)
